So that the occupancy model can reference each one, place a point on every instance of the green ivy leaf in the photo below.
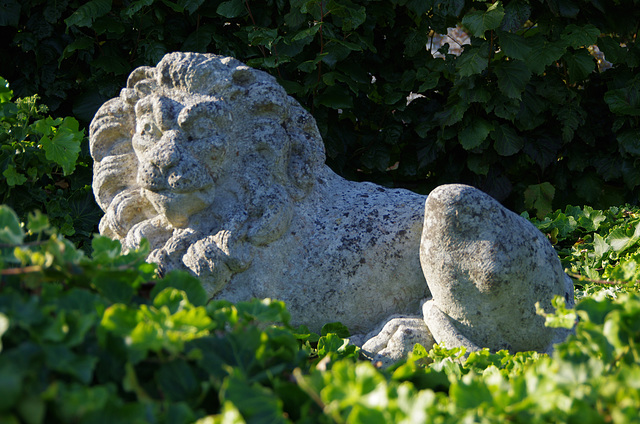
(4, 326)
(516, 13)
(620, 240)
(105, 250)
(177, 381)
(565, 224)
(623, 101)
(571, 116)
(5, 92)
(64, 147)
(184, 281)
(37, 222)
(514, 46)
(190, 5)
(46, 126)
(506, 141)
(80, 43)
(475, 133)
(469, 392)
(561, 317)
(415, 42)
(478, 22)
(363, 414)
(256, 403)
(629, 142)
(336, 328)
(453, 112)
(113, 288)
(539, 197)
(600, 246)
(307, 34)
(579, 65)
(331, 343)
(136, 6)
(229, 414)
(231, 8)
(478, 164)
(14, 178)
(352, 16)
(335, 97)
(580, 36)
(543, 53)
(88, 12)
(513, 77)
(612, 49)
(120, 319)
(564, 8)
(472, 61)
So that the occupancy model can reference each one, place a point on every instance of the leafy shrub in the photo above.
(103, 339)
(38, 155)
(523, 113)
(597, 247)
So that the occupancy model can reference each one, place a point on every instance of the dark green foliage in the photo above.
(595, 246)
(523, 113)
(43, 167)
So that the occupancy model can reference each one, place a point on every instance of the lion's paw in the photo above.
(396, 339)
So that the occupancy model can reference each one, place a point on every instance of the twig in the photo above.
(591, 280)
(246, 5)
(24, 270)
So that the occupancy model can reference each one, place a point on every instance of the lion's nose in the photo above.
(167, 152)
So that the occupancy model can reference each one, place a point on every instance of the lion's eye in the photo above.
(147, 134)
(149, 128)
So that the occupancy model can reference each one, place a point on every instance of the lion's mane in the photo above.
(293, 156)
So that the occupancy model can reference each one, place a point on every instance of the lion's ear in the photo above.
(111, 130)
(139, 74)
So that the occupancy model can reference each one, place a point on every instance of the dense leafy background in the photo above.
(523, 113)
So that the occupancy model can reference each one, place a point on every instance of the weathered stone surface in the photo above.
(224, 174)
(486, 268)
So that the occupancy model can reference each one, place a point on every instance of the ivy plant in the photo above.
(102, 338)
(43, 167)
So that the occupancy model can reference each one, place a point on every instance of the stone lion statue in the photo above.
(223, 173)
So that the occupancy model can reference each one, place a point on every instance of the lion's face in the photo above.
(202, 147)
(180, 142)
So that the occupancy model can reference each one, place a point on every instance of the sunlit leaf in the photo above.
(10, 230)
